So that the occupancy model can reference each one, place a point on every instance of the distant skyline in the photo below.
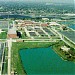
(54, 1)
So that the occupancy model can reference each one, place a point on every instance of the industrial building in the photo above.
(12, 33)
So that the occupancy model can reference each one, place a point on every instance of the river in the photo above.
(17, 16)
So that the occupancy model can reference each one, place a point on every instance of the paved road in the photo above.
(68, 43)
(9, 55)
(62, 38)
(26, 32)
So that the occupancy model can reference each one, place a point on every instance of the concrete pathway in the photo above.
(9, 41)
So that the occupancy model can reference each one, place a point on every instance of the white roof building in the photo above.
(53, 23)
(11, 31)
(45, 19)
(64, 48)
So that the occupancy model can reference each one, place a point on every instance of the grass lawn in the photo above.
(3, 35)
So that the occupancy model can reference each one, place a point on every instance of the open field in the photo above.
(3, 35)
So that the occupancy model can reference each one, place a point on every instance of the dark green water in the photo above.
(44, 61)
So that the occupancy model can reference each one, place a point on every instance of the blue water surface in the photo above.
(72, 26)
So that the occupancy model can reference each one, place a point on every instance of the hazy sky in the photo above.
(61, 1)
